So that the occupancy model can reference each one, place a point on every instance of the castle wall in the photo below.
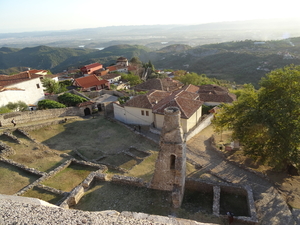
(38, 115)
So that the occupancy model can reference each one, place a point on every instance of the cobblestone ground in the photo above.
(271, 207)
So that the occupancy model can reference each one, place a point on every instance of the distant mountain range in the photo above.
(240, 61)
(156, 36)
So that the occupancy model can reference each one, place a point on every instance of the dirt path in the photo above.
(271, 207)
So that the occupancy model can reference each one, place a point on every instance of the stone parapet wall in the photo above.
(134, 181)
(38, 115)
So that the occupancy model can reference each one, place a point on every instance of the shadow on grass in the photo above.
(44, 195)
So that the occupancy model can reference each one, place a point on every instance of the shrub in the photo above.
(49, 104)
(4, 109)
(17, 106)
(69, 99)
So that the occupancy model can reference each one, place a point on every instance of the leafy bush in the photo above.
(123, 99)
(49, 104)
(17, 106)
(206, 108)
(69, 99)
(4, 109)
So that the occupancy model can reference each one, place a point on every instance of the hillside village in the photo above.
(140, 108)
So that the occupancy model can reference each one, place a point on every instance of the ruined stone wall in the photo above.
(30, 116)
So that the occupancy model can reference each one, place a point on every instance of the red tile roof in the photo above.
(211, 87)
(6, 80)
(191, 88)
(166, 84)
(112, 68)
(148, 100)
(187, 106)
(110, 76)
(159, 100)
(89, 81)
(217, 96)
(91, 66)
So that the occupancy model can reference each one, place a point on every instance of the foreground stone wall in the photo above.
(38, 115)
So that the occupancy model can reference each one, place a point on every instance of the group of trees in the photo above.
(14, 106)
(267, 121)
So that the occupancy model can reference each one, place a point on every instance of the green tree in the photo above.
(135, 60)
(51, 86)
(132, 79)
(194, 78)
(69, 99)
(267, 122)
(49, 104)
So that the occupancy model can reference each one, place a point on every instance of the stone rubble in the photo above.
(18, 213)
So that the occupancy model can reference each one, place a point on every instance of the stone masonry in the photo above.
(170, 165)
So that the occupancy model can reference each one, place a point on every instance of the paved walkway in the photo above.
(271, 207)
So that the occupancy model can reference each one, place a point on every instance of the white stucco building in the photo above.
(24, 87)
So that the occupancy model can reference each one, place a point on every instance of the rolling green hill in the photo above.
(240, 61)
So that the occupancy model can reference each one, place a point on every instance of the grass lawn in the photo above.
(13, 179)
(43, 195)
(69, 178)
(93, 138)
(34, 155)
(110, 196)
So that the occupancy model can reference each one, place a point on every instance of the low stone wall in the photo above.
(37, 115)
(6, 150)
(217, 188)
(23, 167)
(11, 136)
(134, 181)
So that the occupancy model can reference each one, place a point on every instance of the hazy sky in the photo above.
(36, 15)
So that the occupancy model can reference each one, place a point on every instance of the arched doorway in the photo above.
(87, 111)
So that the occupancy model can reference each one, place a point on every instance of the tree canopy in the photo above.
(267, 121)
(49, 104)
(69, 99)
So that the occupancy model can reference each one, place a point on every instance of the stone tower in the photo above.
(170, 165)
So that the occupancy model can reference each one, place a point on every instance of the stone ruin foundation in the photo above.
(170, 165)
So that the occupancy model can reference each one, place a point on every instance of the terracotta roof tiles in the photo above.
(6, 80)
(89, 81)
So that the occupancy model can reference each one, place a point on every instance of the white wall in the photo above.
(186, 124)
(119, 113)
(134, 116)
(30, 94)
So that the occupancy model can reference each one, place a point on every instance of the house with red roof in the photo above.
(214, 95)
(25, 86)
(91, 68)
(148, 109)
(91, 83)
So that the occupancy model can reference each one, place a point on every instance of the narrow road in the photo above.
(271, 207)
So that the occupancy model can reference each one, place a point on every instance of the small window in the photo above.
(142, 112)
(147, 113)
(38, 85)
(172, 162)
